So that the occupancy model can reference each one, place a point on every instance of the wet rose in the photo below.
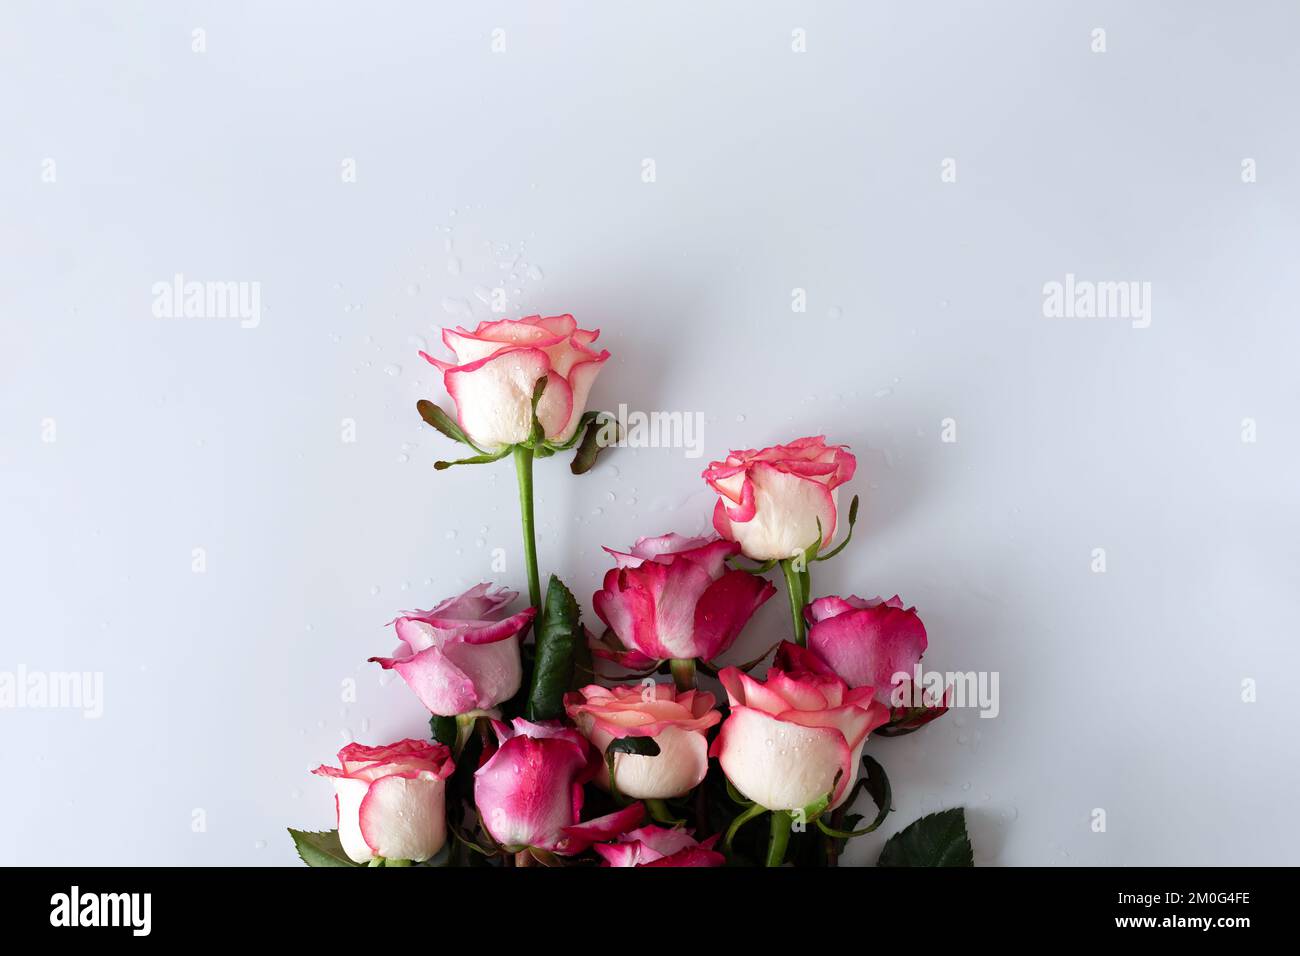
(772, 501)
(675, 721)
(462, 655)
(391, 800)
(795, 736)
(674, 597)
(497, 368)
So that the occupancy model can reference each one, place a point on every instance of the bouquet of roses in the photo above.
(536, 758)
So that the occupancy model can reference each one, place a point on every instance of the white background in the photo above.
(775, 170)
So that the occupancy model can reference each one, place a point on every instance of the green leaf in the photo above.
(482, 459)
(814, 810)
(641, 746)
(538, 433)
(557, 644)
(443, 730)
(440, 420)
(586, 419)
(853, 519)
(743, 817)
(591, 446)
(320, 849)
(939, 839)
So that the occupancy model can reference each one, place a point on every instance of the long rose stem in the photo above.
(524, 473)
(778, 838)
(794, 588)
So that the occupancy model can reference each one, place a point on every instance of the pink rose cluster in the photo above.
(613, 778)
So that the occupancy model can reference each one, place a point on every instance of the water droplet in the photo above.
(453, 266)
(883, 392)
(259, 845)
(535, 272)
(374, 590)
(413, 289)
(403, 459)
(740, 419)
(451, 535)
(393, 370)
(834, 312)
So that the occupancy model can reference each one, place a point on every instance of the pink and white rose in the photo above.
(498, 365)
(674, 597)
(658, 846)
(530, 789)
(866, 642)
(770, 501)
(676, 721)
(463, 655)
(796, 736)
(391, 800)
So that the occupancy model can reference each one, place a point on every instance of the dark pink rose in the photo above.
(530, 790)
(658, 846)
(675, 597)
(867, 643)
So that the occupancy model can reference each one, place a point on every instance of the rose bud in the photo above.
(673, 597)
(866, 643)
(770, 501)
(795, 737)
(390, 800)
(463, 655)
(498, 365)
(675, 721)
(531, 788)
(658, 846)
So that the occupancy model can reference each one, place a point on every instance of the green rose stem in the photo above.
(683, 671)
(524, 472)
(778, 837)
(795, 581)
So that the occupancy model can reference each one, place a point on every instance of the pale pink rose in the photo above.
(676, 721)
(675, 597)
(390, 800)
(463, 655)
(657, 846)
(530, 790)
(867, 643)
(770, 501)
(796, 736)
(497, 367)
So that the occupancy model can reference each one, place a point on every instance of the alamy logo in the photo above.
(75, 908)
(53, 690)
(653, 430)
(182, 299)
(1082, 299)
